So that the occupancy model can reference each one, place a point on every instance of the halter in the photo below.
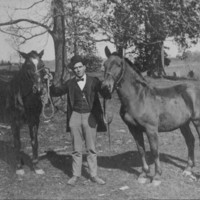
(118, 79)
(108, 119)
(36, 72)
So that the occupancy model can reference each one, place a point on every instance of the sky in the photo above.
(7, 51)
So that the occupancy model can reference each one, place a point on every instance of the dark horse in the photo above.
(20, 103)
(152, 110)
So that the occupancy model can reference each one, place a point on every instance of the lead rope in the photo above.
(107, 120)
(46, 100)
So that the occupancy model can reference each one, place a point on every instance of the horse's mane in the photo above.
(142, 80)
(129, 62)
(133, 66)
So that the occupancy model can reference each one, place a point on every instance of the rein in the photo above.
(108, 119)
(47, 98)
(37, 71)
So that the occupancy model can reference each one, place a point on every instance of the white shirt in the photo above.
(81, 84)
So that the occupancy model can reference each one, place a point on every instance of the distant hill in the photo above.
(50, 64)
(182, 67)
(9, 66)
(16, 66)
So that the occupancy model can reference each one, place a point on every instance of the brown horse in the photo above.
(152, 110)
(21, 102)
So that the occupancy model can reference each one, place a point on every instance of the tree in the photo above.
(144, 25)
(79, 27)
(69, 23)
(139, 27)
(50, 22)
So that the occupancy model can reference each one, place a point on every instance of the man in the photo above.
(84, 117)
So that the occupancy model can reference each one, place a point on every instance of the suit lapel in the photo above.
(71, 90)
(87, 89)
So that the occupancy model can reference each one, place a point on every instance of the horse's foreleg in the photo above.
(197, 126)
(17, 145)
(33, 128)
(153, 141)
(189, 139)
(139, 139)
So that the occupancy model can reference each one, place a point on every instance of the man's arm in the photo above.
(60, 90)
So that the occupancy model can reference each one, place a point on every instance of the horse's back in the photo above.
(177, 104)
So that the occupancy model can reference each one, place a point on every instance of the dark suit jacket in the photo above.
(92, 88)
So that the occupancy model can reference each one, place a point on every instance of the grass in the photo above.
(182, 68)
(119, 166)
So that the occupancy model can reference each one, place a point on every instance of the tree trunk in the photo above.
(163, 58)
(119, 50)
(58, 35)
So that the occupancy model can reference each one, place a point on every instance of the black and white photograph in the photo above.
(99, 99)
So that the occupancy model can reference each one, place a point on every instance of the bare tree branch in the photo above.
(15, 35)
(24, 38)
(11, 22)
(30, 6)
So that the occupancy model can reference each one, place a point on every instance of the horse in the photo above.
(149, 109)
(21, 103)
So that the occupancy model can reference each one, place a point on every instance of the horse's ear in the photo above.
(41, 53)
(24, 55)
(107, 51)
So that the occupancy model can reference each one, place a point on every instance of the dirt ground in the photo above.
(119, 166)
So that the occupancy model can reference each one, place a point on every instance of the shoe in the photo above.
(72, 181)
(97, 180)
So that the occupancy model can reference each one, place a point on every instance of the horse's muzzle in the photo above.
(37, 89)
(107, 89)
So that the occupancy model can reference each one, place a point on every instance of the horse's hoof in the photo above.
(142, 180)
(187, 173)
(190, 175)
(39, 171)
(156, 183)
(20, 172)
(193, 178)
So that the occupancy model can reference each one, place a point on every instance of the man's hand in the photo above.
(48, 77)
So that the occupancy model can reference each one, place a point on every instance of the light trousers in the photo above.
(83, 130)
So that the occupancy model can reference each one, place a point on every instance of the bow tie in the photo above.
(79, 79)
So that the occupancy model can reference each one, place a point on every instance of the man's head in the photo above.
(78, 66)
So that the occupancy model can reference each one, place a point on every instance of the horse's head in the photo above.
(113, 68)
(34, 70)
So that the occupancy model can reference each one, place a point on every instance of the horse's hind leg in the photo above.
(139, 139)
(189, 139)
(17, 145)
(33, 128)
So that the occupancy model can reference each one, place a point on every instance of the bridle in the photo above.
(42, 68)
(36, 72)
(118, 79)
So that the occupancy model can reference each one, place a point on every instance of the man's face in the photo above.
(79, 69)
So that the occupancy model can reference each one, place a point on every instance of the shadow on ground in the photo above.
(7, 154)
(126, 161)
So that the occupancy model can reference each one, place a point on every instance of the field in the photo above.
(183, 67)
(118, 165)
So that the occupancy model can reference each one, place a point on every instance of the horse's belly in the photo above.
(173, 115)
